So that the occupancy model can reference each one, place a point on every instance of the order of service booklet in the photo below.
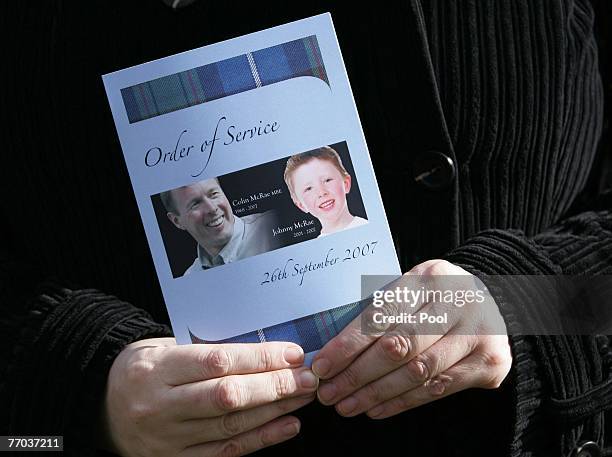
(255, 186)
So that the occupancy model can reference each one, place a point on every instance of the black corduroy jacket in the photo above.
(505, 95)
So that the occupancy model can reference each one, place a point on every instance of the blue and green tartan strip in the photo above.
(311, 332)
(224, 78)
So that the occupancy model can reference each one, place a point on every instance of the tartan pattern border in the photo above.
(227, 77)
(311, 332)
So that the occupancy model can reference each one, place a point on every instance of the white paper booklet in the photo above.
(255, 186)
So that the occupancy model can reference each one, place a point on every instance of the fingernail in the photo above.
(294, 355)
(376, 411)
(321, 367)
(348, 405)
(308, 380)
(327, 392)
(291, 429)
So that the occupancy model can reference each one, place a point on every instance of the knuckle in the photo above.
(430, 364)
(437, 268)
(282, 384)
(468, 342)
(265, 437)
(373, 394)
(398, 347)
(392, 308)
(416, 372)
(232, 424)
(140, 411)
(266, 359)
(139, 371)
(421, 267)
(438, 385)
(350, 377)
(155, 353)
(493, 359)
(231, 448)
(227, 394)
(216, 363)
(345, 346)
(497, 365)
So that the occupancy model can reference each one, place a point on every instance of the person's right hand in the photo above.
(203, 400)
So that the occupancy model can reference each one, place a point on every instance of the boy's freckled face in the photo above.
(321, 189)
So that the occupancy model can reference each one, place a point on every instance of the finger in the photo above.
(341, 350)
(196, 362)
(467, 373)
(272, 433)
(383, 357)
(427, 365)
(388, 353)
(197, 431)
(215, 397)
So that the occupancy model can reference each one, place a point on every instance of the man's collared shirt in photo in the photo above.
(252, 235)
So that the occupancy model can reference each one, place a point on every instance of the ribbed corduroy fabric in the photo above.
(521, 98)
(509, 89)
(516, 78)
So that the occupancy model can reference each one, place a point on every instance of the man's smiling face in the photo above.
(205, 212)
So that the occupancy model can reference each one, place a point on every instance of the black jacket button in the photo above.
(434, 170)
(587, 449)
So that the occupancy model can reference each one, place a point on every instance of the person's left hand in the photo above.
(405, 368)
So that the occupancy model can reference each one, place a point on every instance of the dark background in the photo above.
(603, 23)
(181, 247)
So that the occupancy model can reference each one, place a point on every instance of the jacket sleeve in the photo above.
(57, 345)
(561, 384)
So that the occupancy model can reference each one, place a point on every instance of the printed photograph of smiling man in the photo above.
(319, 184)
(203, 211)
